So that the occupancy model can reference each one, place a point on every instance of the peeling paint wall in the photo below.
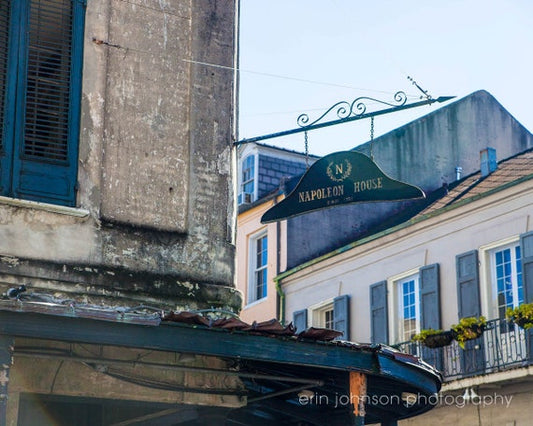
(155, 172)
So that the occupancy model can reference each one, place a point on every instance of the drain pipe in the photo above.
(281, 302)
(280, 296)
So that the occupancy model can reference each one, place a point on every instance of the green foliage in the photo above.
(423, 335)
(433, 338)
(468, 328)
(521, 315)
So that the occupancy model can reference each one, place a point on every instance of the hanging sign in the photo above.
(340, 178)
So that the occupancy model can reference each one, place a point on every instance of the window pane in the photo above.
(328, 318)
(258, 289)
(48, 79)
(408, 322)
(248, 166)
(519, 283)
(508, 285)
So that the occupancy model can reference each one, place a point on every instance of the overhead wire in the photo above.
(285, 77)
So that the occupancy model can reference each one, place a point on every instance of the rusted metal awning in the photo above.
(288, 377)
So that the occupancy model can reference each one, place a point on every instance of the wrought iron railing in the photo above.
(502, 346)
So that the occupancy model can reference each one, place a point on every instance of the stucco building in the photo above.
(116, 189)
(265, 173)
(465, 251)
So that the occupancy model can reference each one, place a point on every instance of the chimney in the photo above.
(458, 172)
(488, 161)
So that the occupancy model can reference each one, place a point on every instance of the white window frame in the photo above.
(253, 178)
(253, 269)
(492, 284)
(318, 313)
(395, 303)
(488, 284)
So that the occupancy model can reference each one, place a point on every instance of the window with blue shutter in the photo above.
(506, 274)
(429, 297)
(430, 310)
(467, 270)
(341, 316)
(379, 322)
(408, 304)
(526, 247)
(40, 77)
(299, 320)
(469, 305)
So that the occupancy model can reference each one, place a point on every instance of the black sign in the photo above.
(340, 178)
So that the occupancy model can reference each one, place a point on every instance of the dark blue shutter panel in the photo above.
(341, 316)
(469, 305)
(467, 270)
(430, 297)
(430, 310)
(379, 323)
(46, 141)
(526, 251)
(5, 149)
(299, 319)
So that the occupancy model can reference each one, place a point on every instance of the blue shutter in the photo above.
(430, 309)
(41, 52)
(46, 139)
(299, 319)
(526, 249)
(468, 284)
(5, 97)
(429, 297)
(341, 316)
(469, 305)
(379, 323)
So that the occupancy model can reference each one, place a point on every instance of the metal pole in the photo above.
(343, 120)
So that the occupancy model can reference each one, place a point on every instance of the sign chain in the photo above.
(306, 142)
(371, 138)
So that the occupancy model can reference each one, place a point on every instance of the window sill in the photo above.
(255, 302)
(52, 208)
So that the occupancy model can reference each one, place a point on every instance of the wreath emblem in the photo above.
(340, 171)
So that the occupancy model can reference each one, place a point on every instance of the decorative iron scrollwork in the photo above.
(357, 107)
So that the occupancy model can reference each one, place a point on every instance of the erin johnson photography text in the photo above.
(459, 401)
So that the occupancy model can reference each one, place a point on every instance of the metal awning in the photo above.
(277, 370)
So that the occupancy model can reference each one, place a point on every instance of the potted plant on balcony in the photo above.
(469, 328)
(521, 315)
(433, 338)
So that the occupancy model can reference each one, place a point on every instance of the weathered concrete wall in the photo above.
(425, 153)
(155, 200)
(50, 371)
(147, 101)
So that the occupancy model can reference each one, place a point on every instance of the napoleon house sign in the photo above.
(340, 178)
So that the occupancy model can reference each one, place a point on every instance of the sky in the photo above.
(303, 56)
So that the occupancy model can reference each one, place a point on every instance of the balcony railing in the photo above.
(502, 346)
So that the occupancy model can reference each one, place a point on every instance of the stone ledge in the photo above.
(116, 286)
